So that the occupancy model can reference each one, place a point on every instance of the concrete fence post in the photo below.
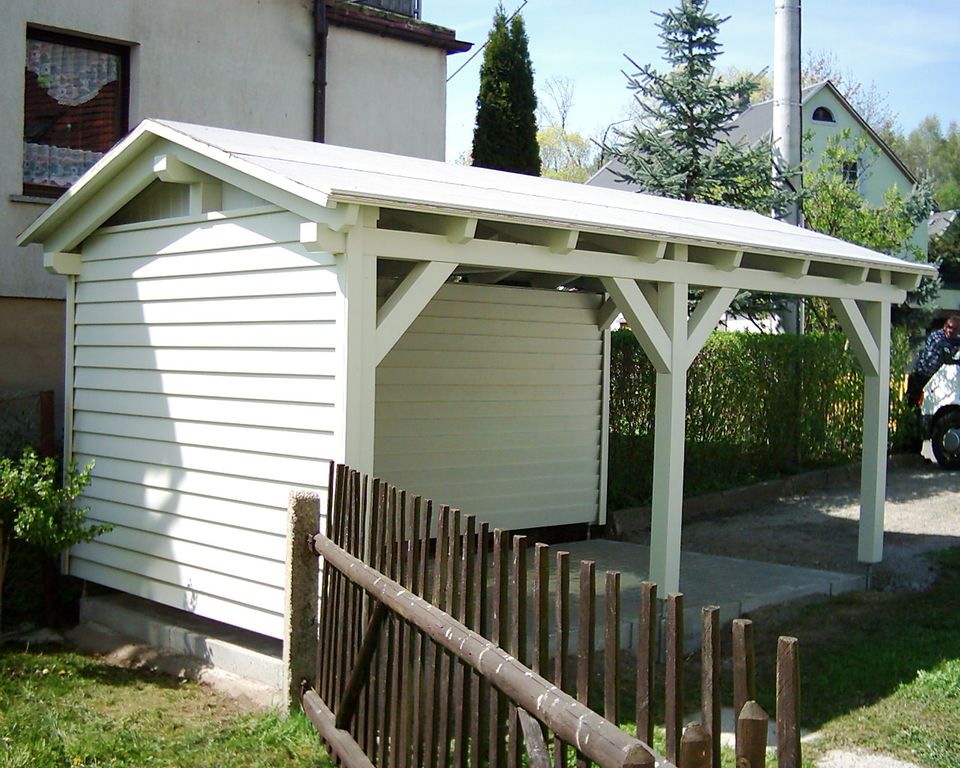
(300, 597)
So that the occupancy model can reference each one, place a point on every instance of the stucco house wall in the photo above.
(242, 64)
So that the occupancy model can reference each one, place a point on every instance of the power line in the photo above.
(474, 54)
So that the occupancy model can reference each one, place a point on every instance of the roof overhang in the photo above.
(497, 221)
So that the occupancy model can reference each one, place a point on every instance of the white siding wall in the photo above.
(491, 402)
(205, 388)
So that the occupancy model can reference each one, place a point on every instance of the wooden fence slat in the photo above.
(398, 652)
(561, 662)
(388, 648)
(710, 678)
(450, 600)
(788, 703)
(326, 617)
(421, 589)
(541, 610)
(407, 701)
(537, 754)
(646, 655)
(363, 608)
(744, 665)
(695, 747)
(752, 736)
(586, 641)
(611, 648)
(463, 682)
(432, 666)
(500, 631)
(350, 633)
(673, 694)
(480, 624)
(518, 639)
(376, 554)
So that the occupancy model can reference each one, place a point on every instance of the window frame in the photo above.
(121, 51)
(822, 109)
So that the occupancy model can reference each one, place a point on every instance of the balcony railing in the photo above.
(405, 7)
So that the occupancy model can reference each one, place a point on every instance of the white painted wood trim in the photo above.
(491, 254)
(705, 317)
(668, 445)
(405, 304)
(861, 335)
(876, 408)
(604, 428)
(360, 273)
(68, 391)
(643, 320)
(607, 314)
(62, 263)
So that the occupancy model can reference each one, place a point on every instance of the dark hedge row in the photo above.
(758, 406)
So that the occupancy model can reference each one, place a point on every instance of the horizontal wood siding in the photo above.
(491, 402)
(206, 375)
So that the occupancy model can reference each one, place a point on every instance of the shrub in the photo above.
(37, 508)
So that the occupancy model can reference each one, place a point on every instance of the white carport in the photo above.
(420, 226)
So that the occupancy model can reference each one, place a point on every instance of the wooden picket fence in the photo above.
(436, 648)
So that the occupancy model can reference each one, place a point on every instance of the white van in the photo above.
(940, 414)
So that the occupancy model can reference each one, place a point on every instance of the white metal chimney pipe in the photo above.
(787, 128)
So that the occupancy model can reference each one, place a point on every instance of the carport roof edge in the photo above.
(324, 174)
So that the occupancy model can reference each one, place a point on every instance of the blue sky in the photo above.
(910, 50)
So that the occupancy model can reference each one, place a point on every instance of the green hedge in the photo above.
(758, 406)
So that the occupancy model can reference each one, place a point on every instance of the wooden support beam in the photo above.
(854, 324)
(173, 170)
(562, 240)
(405, 304)
(318, 237)
(607, 313)
(796, 268)
(705, 317)
(460, 229)
(62, 263)
(876, 409)
(642, 319)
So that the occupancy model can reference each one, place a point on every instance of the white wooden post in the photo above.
(876, 408)
(360, 294)
(867, 325)
(668, 442)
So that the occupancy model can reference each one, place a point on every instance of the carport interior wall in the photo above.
(229, 337)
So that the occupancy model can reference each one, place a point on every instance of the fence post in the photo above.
(788, 703)
(301, 594)
(752, 736)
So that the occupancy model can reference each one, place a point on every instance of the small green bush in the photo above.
(39, 509)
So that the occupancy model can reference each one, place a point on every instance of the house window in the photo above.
(851, 172)
(74, 108)
(823, 115)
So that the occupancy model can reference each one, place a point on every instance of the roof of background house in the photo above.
(752, 125)
(940, 222)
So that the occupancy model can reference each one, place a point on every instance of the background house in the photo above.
(825, 113)
(79, 74)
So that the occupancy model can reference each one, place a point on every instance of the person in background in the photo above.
(941, 345)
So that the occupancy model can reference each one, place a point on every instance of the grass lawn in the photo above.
(59, 708)
(879, 671)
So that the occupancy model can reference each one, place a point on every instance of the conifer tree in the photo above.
(678, 146)
(505, 135)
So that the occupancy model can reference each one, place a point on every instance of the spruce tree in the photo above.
(678, 147)
(505, 135)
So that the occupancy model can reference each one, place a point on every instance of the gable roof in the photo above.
(756, 123)
(303, 175)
